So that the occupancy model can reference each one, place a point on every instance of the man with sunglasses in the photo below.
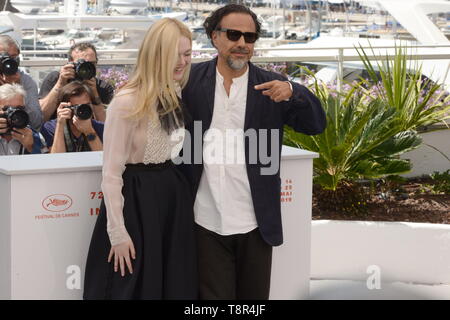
(9, 50)
(52, 84)
(237, 207)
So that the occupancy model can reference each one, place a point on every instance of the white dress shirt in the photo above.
(224, 203)
(13, 147)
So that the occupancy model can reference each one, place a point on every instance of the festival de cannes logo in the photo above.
(57, 202)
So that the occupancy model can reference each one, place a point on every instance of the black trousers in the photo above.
(234, 267)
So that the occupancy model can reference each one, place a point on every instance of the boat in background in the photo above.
(30, 6)
(128, 7)
(425, 33)
(80, 27)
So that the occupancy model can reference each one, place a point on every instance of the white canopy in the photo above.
(412, 15)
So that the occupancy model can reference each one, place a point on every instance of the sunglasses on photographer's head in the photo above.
(235, 35)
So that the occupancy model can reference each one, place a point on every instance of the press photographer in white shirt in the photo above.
(14, 140)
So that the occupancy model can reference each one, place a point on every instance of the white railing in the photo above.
(335, 55)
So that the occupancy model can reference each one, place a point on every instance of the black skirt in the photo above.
(158, 215)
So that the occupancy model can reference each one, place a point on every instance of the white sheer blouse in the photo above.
(130, 140)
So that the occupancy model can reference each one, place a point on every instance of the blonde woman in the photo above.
(143, 244)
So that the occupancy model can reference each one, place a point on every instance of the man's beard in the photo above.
(237, 64)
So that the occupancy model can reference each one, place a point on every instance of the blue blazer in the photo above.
(303, 112)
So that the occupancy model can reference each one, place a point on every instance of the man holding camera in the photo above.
(10, 73)
(81, 66)
(16, 137)
(74, 130)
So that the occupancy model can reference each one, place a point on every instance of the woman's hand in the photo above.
(121, 254)
(84, 126)
(63, 113)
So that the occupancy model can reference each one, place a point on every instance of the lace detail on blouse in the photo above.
(160, 145)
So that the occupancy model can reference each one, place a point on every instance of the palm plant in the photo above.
(362, 139)
(366, 130)
(417, 101)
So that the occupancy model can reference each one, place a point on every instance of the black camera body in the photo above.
(84, 70)
(16, 117)
(8, 65)
(82, 111)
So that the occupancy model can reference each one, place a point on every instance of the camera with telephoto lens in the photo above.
(16, 117)
(82, 111)
(8, 65)
(84, 70)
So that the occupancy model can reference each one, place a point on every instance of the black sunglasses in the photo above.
(235, 35)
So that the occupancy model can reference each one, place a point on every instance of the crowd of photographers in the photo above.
(67, 114)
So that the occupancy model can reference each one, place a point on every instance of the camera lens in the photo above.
(83, 111)
(9, 66)
(85, 70)
(16, 117)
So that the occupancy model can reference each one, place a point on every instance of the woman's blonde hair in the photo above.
(152, 78)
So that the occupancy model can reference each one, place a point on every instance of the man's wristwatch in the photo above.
(91, 136)
(97, 101)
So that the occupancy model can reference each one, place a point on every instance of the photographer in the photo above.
(74, 130)
(15, 135)
(52, 84)
(9, 74)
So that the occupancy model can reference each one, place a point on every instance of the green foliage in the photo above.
(441, 182)
(365, 134)
(417, 101)
(362, 139)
